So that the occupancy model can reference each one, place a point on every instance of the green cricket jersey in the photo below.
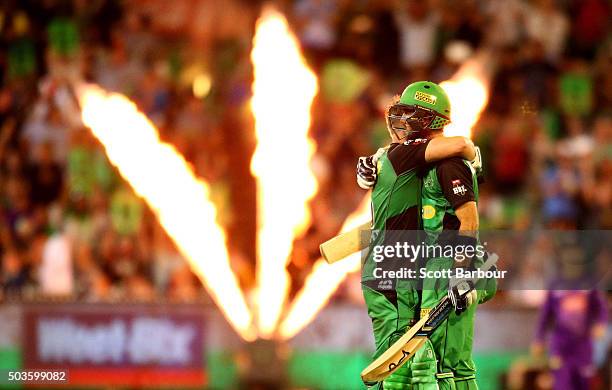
(446, 186)
(410, 195)
(396, 198)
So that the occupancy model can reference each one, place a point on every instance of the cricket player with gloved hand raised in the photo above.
(444, 191)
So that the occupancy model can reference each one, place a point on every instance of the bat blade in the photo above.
(397, 354)
(345, 244)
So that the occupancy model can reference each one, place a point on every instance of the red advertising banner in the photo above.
(135, 345)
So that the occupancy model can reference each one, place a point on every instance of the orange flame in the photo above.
(323, 280)
(283, 91)
(162, 177)
(468, 93)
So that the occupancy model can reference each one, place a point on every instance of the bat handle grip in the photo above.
(439, 314)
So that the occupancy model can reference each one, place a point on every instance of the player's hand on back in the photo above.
(367, 172)
(476, 163)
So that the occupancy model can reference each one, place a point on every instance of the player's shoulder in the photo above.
(450, 162)
(416, 142)
(408, 147)
(408, 156)
(453, 165)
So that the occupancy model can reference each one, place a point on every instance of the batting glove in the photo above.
(367, 171)
(462, 295)
(476, 163)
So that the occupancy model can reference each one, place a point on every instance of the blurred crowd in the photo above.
(72, 227)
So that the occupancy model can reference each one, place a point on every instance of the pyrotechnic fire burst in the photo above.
(468, 91)
(323, 280)
(162, 177)
(283, 91)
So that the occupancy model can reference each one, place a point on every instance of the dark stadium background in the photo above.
(546, 140)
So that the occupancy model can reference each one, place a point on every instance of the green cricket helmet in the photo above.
(423, 106)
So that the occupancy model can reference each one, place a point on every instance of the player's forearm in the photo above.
(445, 147)
(469, 227)
(468, 151)
(467, 214)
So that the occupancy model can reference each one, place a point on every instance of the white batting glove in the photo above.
(462, 295)
(367, 171)
(476, 163)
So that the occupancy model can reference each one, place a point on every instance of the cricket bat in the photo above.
(397, 354)
(345, 244)
(403, 349)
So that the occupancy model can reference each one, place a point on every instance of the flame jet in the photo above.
(283, 90)
(180, 201)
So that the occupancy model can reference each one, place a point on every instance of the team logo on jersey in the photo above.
(429, 211)
(415, 141)
(425, 97)
(458, 188)
(385, 285)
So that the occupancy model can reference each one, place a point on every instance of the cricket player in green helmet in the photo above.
(399, 197)
(393, 173)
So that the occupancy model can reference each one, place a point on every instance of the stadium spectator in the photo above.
(547, 24)
(574, 320)
(417, 24)
(55, 271)
(545, 135)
